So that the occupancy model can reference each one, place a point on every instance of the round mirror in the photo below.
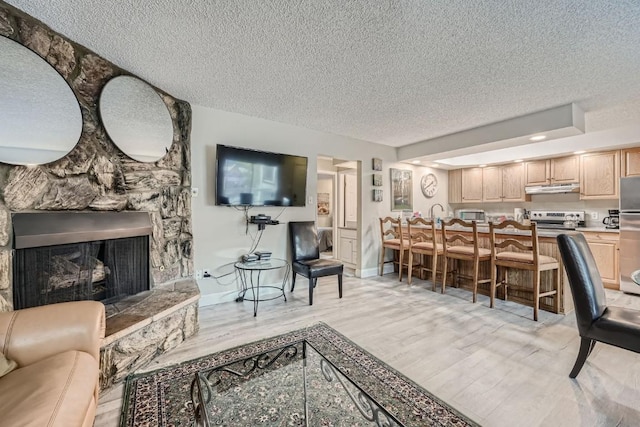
(40, 118)
(136, 118)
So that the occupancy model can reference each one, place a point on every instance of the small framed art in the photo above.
(401, 190)
(377, 180)
(377, 195)
(376, 164)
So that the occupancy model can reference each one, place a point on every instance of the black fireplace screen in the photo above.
(104, 270)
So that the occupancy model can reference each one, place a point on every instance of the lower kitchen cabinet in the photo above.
(604, 247)
(348, 247)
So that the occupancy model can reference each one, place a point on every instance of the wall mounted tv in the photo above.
(247, 177)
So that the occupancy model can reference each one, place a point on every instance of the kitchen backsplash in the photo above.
(555, 202)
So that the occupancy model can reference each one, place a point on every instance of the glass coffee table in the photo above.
(250, 275)
(294, 385)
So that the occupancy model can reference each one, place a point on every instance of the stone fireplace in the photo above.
(75, 256)
(97, 178)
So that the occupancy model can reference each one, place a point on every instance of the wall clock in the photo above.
(429, 185)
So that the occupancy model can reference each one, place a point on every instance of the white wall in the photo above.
(219, 232)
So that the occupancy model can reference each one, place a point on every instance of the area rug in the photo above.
(163, 397)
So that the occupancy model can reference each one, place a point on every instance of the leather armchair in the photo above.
(305, 257)
(596, 321)
(57, 349)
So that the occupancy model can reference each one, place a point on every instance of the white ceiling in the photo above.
(393, 72)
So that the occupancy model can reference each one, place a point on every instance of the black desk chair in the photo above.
(616, 326)
(305, 257)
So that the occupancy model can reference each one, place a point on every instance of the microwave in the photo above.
(471, 215)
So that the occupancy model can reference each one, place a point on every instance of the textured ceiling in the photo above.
(392, 72)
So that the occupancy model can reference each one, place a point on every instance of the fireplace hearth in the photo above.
(67, 256)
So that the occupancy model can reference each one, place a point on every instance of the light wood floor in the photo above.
(496, 366)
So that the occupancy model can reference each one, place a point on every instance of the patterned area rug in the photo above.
(163, 397)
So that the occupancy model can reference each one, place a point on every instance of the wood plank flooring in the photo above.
(497, 366)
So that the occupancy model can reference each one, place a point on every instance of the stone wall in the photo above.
(96, 175)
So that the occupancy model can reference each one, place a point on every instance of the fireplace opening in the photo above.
(104, 270)
(61, 257)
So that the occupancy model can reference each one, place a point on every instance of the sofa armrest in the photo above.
(33, 334)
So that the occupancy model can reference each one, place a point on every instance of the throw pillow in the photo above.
(6, 365)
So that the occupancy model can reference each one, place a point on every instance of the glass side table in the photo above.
(250, 275)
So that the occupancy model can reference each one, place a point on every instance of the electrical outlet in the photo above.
(198, 274)
(206, 273)
(594, 215)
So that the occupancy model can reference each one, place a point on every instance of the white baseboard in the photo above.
(370, 272)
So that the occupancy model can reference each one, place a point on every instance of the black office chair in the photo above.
(616, 326)
(305, 257)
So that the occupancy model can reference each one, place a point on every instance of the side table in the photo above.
(250, 273)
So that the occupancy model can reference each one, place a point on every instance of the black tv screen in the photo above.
(247, 177)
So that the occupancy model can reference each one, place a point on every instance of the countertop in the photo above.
(545, 232)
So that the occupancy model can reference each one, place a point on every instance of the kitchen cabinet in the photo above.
(455, 186)
(503, 183)
(537, 172)
(513, 183)
(565, 170)
(348, 248)
(562, 170)
(605, 249)
(472, 185)
(630, 159)
(600, 175)
(492, 184)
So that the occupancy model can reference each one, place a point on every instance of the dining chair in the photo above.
(393, 237)
(460, 244)
(515, 246)
(616, 326)
(305, 257)
(423, 242)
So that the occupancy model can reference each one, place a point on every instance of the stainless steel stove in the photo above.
(563, 220)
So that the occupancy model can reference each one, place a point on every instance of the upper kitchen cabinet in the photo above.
(563, 170)
(492, 184)
(537, 172)
(599, 175)
(472, 185)
(504, 183)
(513, 183)
(630, 162)
(455, 186)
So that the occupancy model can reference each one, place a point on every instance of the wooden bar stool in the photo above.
(527, 257)
(422, 241)
(393, 238)
(460, 243)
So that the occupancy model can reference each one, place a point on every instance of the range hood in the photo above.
(552, 189)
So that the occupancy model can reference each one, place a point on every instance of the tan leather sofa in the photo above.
(57, 349)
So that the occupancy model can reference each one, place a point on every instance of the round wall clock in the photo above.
(429, 185)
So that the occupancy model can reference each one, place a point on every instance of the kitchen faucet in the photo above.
(433, 206)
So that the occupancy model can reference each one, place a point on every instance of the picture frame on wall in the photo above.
(324, 204)
(377, 180)
(377, 195)
(376, 164)
(401, 189)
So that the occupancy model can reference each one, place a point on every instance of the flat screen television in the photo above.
(247, 177)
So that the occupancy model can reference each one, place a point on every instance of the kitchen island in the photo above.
(524, 279)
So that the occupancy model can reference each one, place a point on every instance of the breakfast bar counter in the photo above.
(524, 279)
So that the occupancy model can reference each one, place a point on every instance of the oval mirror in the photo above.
(136, 118)
(40, 118)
